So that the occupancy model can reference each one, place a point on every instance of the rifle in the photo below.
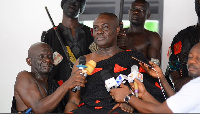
(59, 38)
(121, 14)
(121, 23)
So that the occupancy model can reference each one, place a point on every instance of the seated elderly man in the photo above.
(31, 88)
(94, 97)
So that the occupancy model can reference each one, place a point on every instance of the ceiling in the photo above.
(94, 7)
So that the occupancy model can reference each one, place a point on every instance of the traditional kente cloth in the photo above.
(180, 47)
(94, 96)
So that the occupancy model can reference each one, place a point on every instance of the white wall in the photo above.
(22, 22)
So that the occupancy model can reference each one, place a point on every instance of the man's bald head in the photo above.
(40, 58)
(105, 30)
(36, 47)
(110, 16)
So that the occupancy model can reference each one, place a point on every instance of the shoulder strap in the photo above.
(39, 88)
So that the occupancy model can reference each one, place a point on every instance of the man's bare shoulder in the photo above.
(23, 77)
(24, 74)
(152, 34)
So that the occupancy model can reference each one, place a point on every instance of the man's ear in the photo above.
(28, 60)
(118, 29)
(148, 15)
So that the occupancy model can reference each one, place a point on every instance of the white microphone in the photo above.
(121, 79)
(135, 74)
(110, 82)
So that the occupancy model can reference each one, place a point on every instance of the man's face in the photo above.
(71, 8)
(42, 60)
(138, 13)
(197, 7)
(193, 63)
(105, 31)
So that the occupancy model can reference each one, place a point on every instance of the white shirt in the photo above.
(187, 100)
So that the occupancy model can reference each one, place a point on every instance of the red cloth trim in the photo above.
(96, 70)
(55, 28)
(97, 101)
(141, 70)
(157, 85)
(169, 52)
(115, 113)
(118, 68)
(177, 48)
(81, 104)
(98, 107)
(60, 82)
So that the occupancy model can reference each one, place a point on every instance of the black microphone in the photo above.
(88, 68)
(82, 61)
(110, 82)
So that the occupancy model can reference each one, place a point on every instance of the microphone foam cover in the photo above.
(90, 66)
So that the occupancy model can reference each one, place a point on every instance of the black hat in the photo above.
(83, 3)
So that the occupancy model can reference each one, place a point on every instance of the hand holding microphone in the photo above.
(81, 66)
(87, 69)
(140, 86)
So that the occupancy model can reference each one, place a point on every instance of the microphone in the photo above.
(88, 68)
(82, 61)
(110, 81)
(121, 79)
(135, 74)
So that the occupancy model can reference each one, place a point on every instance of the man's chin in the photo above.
(193, 75)
(72, 15)
(45, 73)
(135, 23)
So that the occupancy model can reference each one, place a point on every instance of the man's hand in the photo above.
(76, 79)
(120, 93)
(122, 40)
(126, 107)
(151, 71)
(142, 90)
